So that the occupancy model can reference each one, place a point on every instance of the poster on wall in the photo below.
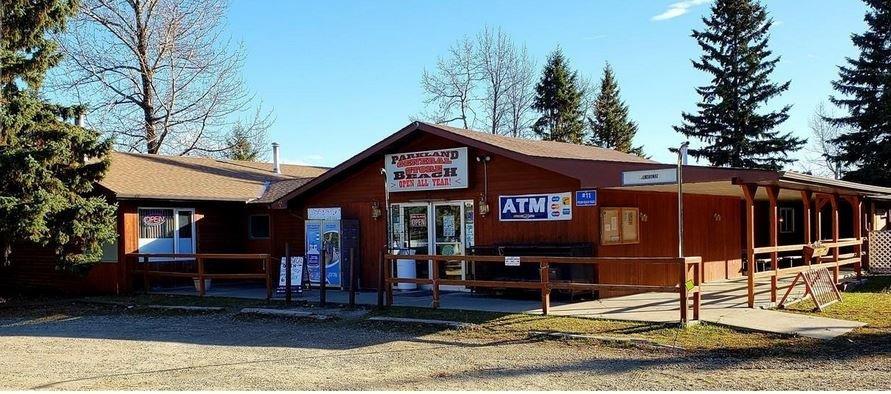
(439, 169)
(332, 255)
(535, 207)
(313, 249)
(323, 247)
(296, 276)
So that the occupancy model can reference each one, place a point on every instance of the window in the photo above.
(110, 251)
(619, 226)
(259, 226)
(166, 230)
(787, 220)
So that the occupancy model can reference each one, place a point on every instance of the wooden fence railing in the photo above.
(150, 265)
(833, 261)
(687, 285)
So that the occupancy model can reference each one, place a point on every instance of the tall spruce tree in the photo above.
(48, 167)
(865, 87)
(728, 120)
(610, 126)
(558, 99)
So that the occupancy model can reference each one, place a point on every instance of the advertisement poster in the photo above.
(535, 207)
(448, 226)
(313, 249)
(296, 276)
(331, 246)
(428, 170)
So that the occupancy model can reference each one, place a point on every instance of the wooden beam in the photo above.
(857, 216)
(834, 204)
(772, 192)
(749, 191)
(806, 216)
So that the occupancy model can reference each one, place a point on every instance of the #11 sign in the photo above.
(439, 169)
(535, 207)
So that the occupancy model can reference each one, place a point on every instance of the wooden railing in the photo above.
(833, 261)
(687, 285)
(150, 265)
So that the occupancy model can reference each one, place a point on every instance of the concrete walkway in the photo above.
(723, 303)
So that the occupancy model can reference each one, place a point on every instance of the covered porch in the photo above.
(781, 214)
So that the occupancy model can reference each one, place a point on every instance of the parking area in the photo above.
(80, 346)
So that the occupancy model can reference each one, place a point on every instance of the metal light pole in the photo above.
(682, 160)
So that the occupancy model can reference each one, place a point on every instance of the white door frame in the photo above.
(431, 231)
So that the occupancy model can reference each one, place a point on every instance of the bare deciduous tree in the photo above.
(488, 79)
(159, 75)
(822, 152)
(495, 53)
(451, 87)
(519, 95)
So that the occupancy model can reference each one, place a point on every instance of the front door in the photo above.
(441, 228)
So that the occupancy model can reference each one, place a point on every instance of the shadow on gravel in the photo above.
(68, 319)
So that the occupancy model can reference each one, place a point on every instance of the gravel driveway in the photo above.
(112, 349)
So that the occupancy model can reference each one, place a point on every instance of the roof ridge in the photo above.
(216, 159)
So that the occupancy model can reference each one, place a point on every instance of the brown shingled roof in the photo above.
(134, 175)
(546, 149)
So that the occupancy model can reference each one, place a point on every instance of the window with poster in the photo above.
(619, 226)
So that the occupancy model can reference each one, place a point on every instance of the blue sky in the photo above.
(341, 75)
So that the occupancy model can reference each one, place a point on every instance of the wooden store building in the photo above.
(436, 190)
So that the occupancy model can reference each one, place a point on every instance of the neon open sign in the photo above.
(154, 220)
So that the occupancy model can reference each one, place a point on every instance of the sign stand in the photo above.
(819, 285)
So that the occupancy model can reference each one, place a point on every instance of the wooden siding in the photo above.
(357, 189)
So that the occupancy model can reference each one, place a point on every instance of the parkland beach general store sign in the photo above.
(439, 169)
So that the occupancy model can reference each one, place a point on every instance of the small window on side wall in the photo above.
(619, 226)
(258, 227)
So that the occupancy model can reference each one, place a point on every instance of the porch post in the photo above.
(833, 201)
(806, 217)
(749, 191)
(857, 213)
(772, 192)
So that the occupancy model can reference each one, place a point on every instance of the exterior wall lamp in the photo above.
(484, 204)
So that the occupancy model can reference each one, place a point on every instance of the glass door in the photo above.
(441, 228)
(448, 238)
(416, 234)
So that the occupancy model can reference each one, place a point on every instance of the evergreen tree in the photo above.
(735, 53)
(241, 147)
(865, 86)
(610, 126)
(48, 167)
(558, 98)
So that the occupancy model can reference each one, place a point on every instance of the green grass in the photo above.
(869, 303)
(702, 336)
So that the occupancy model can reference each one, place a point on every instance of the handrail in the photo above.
(200, 275)
(685, 288)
